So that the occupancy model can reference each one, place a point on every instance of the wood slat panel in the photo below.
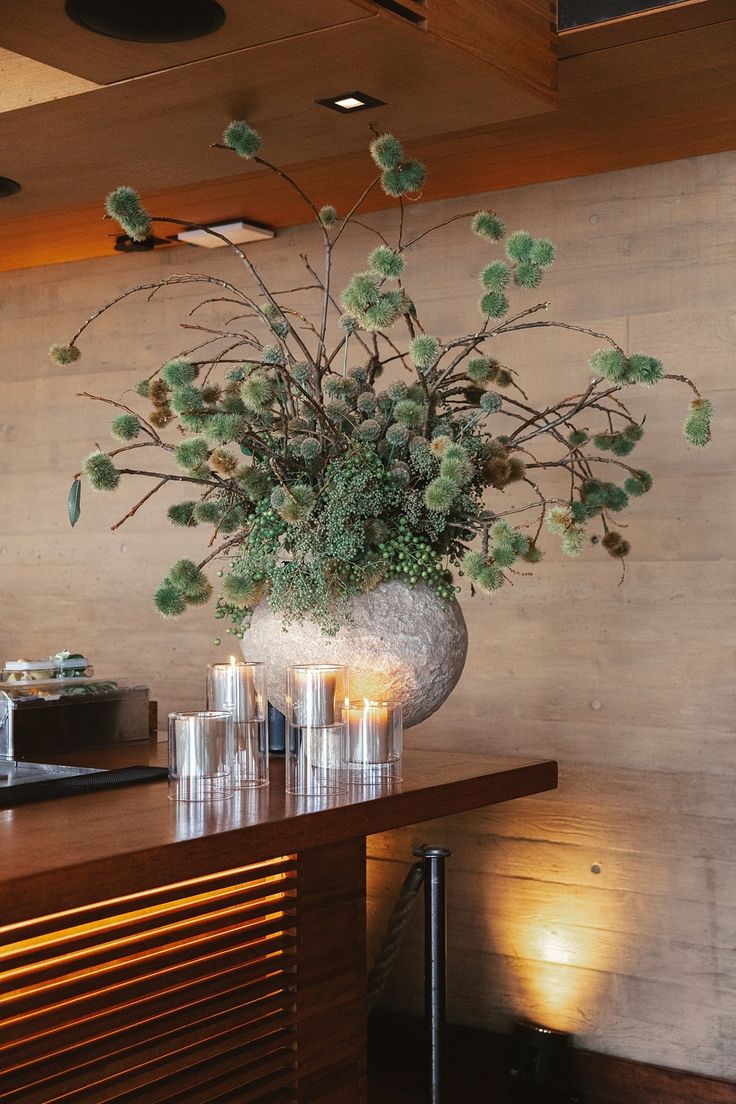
(144, 1004)
(99, 911)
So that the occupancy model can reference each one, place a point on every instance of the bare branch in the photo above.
(134, 509)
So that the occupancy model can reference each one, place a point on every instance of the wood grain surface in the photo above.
(81, 849)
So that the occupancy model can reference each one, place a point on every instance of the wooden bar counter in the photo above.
(157, 952)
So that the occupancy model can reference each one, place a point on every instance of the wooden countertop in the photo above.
(67, 852)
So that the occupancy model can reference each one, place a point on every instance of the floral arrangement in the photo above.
(317, 481)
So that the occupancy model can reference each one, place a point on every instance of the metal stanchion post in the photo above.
(435, 967)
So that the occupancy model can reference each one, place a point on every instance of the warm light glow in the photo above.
(349, 103)
(251, 868)
(554, 955)
(233, 661)
(97, 978)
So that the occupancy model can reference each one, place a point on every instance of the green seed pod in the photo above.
(328, 216)
(169, 601)
(611, 364)
(386, 151)
(527, 275)
(487, 224)
(519, 246)
(208, 512)
(409, 413)
(386, 262)
(495, 276)
(126, 427)
(191, 454)
(182, 513)
(440, 495)
(242, 138)
(542, 252)
(490, 402)
(482, 369)
(697, 424)
(638, 483)
(64, 354)
(179, 372)
(124, 206)
(645, 369)
(256, 392)
(494, 304)
(100, 471)
(186, 400)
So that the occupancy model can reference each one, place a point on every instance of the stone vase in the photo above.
(403, 644)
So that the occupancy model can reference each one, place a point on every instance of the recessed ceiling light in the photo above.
(8, 187)
(147, 20)
(349, 102)
(237, 232)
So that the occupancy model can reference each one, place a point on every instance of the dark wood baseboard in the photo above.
(478, 1063)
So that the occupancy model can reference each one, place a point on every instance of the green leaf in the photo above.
(73, 502)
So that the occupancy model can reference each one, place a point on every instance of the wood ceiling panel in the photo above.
(599, 134)
(618, 108)
(643, 25)
(43, 31)
(703, 48)
(157, 130)
(24, 81)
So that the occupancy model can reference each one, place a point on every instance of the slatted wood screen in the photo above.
(182, 993)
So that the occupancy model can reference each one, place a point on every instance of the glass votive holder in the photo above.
(315, 730)
(200, 756)
(374, 741)
(240, 689)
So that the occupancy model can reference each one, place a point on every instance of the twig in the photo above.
(136, 508)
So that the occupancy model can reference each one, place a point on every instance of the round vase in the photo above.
(403, 644)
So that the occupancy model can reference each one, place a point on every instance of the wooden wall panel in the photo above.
(628, 686)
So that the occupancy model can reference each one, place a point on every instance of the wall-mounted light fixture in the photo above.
(147, 20)
(347, 103)
(237, 232)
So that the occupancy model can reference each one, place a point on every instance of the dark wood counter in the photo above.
(158, 952)
(60, 854)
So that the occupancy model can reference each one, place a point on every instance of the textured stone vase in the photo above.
(403, 644)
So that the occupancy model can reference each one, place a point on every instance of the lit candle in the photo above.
(313, 693)
(369, 736)
(231, 686)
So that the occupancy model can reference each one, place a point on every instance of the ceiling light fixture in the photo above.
(8, 187)
(124, 244)
(147, 20)
(237, 232)
(349, 102)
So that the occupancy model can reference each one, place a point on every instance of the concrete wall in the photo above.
(607, 908)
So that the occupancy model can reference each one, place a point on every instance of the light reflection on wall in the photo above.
(558, 957)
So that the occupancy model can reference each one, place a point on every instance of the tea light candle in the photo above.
(232, 686)
(369, 734)
(313, 693)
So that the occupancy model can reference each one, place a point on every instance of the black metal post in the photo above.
(435, 967)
